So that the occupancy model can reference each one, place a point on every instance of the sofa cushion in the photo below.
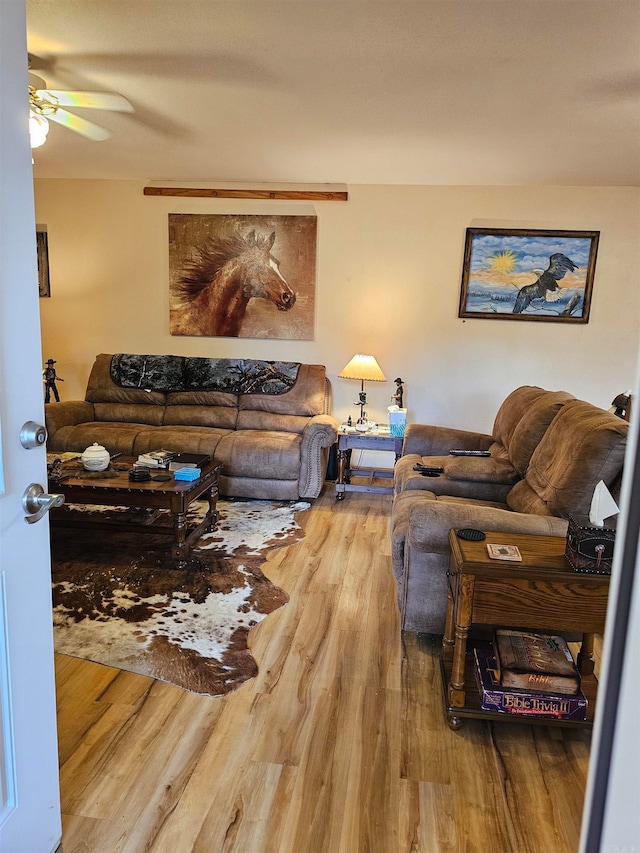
(465, 477)
(582, 446)
(132, 413)
(307, 397)
(223, 417)
(259, 420)
(260, 455)
(116, 437)
(185, 439)
(521, 421)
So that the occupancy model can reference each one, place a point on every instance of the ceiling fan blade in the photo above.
(35, 81)
(80, 125)
(90, 100)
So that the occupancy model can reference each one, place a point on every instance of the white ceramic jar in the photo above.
(96, 458)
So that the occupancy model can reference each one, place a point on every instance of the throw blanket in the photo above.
(181, 373)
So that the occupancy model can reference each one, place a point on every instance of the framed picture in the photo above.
(42, 251)
(242, 276)
(517, 274)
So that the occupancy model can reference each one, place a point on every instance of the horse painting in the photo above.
(212, 294)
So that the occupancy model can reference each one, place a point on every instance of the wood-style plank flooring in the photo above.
(339, 745)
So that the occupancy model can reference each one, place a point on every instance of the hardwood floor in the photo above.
(339, 745)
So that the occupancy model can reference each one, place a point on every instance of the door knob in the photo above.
(32, 435)
(36, 503)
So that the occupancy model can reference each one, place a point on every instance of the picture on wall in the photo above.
(242, 276)
(516, 274)
(42, 252)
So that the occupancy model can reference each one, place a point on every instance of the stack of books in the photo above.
(155, 459)
(529, 674)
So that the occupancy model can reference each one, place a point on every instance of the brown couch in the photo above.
(521, 421)
(266, 422)
(553, 453)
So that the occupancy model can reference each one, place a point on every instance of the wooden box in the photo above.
(589, 549)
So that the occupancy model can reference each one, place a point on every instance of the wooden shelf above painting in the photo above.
(266, 193)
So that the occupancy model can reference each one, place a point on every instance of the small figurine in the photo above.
(50, 378)
(621, 406)
(397, 397)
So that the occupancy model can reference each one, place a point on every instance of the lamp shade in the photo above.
(363, 367)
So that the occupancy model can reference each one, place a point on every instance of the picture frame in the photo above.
(528, 275)
(42, 253)
(242, 275)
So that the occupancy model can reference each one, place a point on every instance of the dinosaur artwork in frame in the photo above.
(518, 274)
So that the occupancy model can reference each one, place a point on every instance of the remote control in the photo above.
(471, 534)
(428, 469)
(469, 453)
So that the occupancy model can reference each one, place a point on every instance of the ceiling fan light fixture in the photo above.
(38, 129)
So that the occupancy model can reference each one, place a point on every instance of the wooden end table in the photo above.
(348, 441)
(542, 592)
(176, 496)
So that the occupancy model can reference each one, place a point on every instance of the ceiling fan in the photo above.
(47, 105)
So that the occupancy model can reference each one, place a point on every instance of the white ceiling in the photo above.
(348, 91)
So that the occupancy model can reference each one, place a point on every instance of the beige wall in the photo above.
(388, 283)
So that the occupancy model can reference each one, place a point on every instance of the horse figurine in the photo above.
(213, 294)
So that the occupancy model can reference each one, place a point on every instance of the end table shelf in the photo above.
(541, 593)
(472, 708)
(348, 441)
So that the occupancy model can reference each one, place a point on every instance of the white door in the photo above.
(29, 794)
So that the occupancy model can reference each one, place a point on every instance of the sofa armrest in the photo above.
(420, 549)
(428, 440)
(67, 413)
(431, 520)
(318, 436)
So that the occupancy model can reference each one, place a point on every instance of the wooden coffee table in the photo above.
(541, 593)
(118, 490)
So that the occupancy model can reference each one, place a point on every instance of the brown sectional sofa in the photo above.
(520, 423)
(272, 433)
(549, 451)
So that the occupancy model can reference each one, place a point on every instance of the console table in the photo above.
(542, 592)
(348, 441)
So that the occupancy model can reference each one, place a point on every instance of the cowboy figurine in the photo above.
(49, 378)
(397, 397)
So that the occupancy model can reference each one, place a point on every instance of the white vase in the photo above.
(96, 458)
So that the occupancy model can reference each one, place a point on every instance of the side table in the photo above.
(542, 592)
(348, 441)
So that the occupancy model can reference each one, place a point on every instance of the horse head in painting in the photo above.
(215, 289)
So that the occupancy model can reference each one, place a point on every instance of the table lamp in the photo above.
(362, 367)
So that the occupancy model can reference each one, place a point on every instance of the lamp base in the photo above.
(362, 402)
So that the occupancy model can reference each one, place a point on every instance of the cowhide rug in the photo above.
(119, 600)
